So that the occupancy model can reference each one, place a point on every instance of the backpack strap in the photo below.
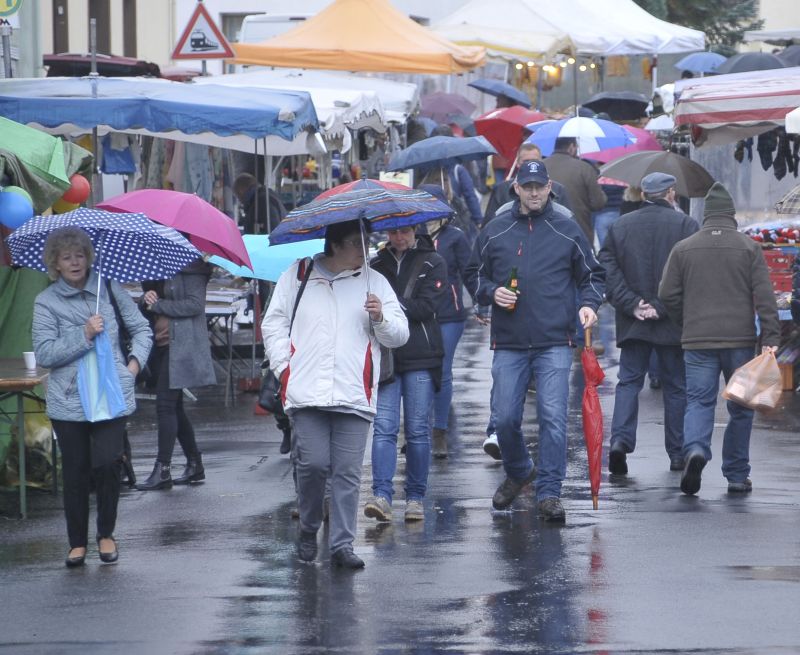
(303, 273)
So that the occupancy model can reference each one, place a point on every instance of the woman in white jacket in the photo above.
(329, 367)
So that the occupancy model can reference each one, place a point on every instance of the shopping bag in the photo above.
(98, 382)
(756, 384)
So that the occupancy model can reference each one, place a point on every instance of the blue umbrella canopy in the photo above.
(701, 62)
(385, 205)
(129, 247)
(499, 88)
(441, 152)
(269, 262)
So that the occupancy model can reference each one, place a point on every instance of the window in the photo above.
(100, 10)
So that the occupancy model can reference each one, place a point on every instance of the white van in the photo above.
(260, 27)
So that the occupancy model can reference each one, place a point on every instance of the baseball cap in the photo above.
(532, 171)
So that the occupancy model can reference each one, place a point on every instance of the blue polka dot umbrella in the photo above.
(129, 247)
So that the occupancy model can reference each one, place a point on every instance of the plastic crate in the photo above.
(781, 281)
(778, 260)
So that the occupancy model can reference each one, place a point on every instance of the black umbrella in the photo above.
(750, 61)
(499, 88)
(619, 105)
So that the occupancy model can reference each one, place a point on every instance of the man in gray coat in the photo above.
(580, 180)
(634, 254)
(714, 285)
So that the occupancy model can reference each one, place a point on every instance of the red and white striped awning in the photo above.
(745, 105)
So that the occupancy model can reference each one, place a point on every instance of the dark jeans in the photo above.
(634, 361)
(90, 452)
(172, 420)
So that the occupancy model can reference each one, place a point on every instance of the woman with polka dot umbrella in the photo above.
(129, 247)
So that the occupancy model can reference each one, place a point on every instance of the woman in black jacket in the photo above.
(419, 277)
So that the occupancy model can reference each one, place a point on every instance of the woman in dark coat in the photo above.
(418, 276)
(182, 358)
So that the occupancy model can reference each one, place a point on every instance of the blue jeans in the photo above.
(634, 361)
(702, 387)
(511, 374)
(415, 390)
(603, 220)
(451, 335)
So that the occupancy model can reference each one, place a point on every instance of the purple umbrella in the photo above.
(441, 106)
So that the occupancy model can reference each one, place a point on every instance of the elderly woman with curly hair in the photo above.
(65, 324)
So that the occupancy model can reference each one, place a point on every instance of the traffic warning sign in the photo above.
(202, 39)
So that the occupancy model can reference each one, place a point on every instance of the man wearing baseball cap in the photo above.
(633, 254)
(533, 328)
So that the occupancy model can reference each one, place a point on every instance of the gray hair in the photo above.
(63, 239)
(652, 197)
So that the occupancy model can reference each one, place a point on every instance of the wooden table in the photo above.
(18, 382)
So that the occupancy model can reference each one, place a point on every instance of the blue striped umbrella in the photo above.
(385, 208)
(129, 247)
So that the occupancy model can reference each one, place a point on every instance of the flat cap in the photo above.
(657, 182)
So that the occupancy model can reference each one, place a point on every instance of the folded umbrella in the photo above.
(592, 414)
(208, 228)
(499, 88)
(691, 179)
(441, 152)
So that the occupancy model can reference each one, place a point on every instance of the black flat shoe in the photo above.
(345, 558)
(74, 562)
(108, 558)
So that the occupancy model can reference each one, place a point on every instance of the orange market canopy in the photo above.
(365, 36)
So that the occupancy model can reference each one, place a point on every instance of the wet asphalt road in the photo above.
(211, 569)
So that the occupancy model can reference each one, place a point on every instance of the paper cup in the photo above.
(30, 361)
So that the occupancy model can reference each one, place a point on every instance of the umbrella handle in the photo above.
(587, 337)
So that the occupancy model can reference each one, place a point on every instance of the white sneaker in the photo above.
(492, 447)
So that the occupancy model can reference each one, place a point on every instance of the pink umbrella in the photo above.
(644, 141)
(207, 227)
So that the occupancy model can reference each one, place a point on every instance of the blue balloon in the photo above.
(15, 209)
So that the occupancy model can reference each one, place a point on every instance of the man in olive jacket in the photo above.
(634, 254)
(714, 284)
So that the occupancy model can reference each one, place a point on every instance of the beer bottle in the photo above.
(512, 285)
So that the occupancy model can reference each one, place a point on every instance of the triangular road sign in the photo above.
(202, 39)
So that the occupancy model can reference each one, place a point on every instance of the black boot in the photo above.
(160, 478)
(194, 471)
(286, 443)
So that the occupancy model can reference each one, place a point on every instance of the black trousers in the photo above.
(90, 453)
(172, 420)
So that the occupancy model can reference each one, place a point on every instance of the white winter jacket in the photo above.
(332, 358)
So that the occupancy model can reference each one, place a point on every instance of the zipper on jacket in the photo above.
(426, 333)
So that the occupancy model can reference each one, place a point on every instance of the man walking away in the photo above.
(714, 285)
(580, 180)
(634, 254)
(534, 262)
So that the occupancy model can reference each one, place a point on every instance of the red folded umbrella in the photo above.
(505, 128)
(592, 414)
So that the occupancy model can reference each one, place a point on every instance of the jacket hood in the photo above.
(517, 207)
(68, 290)
(197, 267)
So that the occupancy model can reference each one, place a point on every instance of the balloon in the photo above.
(61, 206)
(78, 190)
(14, 210)
(19, 190)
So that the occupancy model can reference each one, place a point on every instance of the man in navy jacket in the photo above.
(533, 330)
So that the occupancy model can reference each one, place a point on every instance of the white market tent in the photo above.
(595, 27)
(785, 35)
(728, 108)
(338, 107)
(793, 121)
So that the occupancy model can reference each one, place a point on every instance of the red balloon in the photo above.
(78, 191)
